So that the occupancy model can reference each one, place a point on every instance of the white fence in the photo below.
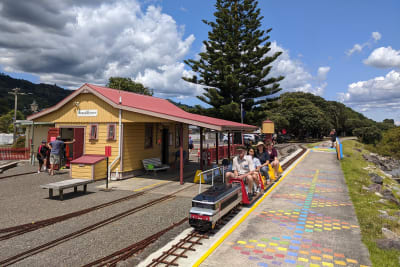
(6, 139)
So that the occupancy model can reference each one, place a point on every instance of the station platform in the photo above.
(307, 219)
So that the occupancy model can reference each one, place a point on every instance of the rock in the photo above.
(382, 201)
(388, 244)
(375, 178)
(397, 213)
(365, 188)
(388, 217)
(387, 194)
(383, 211)
(378, 194)
(357, 149)
(389, 234)
(375, 188)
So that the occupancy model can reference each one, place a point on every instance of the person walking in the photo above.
(333, 135)
(43, 151)
(57, 146)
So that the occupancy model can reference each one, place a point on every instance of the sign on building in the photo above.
(87, 112)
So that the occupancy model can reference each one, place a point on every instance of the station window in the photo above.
(177, 135)
(148, 137)
(111, 132)
(93, 132)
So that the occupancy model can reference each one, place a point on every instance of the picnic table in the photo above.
(60, 186)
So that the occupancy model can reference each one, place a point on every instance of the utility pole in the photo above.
(15, 92)
(241, 116)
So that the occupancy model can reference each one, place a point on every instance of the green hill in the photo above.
(45, 95)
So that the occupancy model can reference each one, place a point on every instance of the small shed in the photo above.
(92, 167)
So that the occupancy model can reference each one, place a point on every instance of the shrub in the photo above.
(368, 135)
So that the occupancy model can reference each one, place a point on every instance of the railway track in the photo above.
(29, 227)
(16, 175)
(10, 232)
(55, 242)
(171, 256)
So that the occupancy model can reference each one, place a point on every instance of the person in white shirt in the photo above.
(242, 165)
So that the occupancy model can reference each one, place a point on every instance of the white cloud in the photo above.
(356, 48)
(384, 57)
(376, 36)
(93, 40)
(297, 78)
(381, 92)
(323, 72)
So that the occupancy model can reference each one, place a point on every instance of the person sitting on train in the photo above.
(273, 158)
(257, 166)
(242, 165)
(263, 156)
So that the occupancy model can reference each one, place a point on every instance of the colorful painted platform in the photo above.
(307, 220)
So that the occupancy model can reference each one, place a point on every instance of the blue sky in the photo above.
(326, 45)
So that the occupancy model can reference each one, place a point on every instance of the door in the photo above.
(79, 136)
(52, 134)
(165, 146)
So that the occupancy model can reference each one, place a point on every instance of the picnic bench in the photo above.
(154, 164)
(60, 186)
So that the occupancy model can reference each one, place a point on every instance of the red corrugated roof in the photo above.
(88, 159)
(159, 105)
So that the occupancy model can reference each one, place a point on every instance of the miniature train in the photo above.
(211, 205)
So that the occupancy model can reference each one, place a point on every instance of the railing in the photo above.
(214, 172)
(222, 153)
(8, 153)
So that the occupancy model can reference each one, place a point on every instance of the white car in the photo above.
(249, 137)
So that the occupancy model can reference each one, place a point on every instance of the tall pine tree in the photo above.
(235, 65)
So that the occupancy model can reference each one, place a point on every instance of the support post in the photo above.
(229, 145)
(107, 175)
(181, 153)
(201, 148)
(217, 147)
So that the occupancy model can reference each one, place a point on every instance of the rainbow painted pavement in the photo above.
(308, 220)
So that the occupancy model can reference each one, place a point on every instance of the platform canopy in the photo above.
(149, 105)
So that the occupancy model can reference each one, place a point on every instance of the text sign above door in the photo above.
(87, 112)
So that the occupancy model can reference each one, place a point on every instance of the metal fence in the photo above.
(9, 153)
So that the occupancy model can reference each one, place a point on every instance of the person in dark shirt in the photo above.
(263, 156)
(43, 151)
(273, 158)
(56, 147)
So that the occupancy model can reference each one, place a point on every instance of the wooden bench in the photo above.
(60, 186)
(156, 162)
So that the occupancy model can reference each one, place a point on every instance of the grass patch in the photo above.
(366, 203)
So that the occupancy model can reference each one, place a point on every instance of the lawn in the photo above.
(366, 203)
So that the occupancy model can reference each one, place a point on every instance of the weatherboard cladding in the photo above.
(149, 105)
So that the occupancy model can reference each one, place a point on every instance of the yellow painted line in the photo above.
(229, 232)
(327, 264)
(148, 186)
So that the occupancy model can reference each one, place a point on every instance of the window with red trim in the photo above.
(93, 132)
(111, 132)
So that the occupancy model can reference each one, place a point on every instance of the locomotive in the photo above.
(211, 205)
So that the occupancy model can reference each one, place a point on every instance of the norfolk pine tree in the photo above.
(235, 64)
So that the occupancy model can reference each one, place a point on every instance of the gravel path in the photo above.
(23, 201)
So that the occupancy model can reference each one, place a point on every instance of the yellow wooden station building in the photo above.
(130, 126)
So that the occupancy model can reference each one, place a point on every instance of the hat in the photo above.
(240, 148)
(58, 137)
(44, 141)
(260, 143)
